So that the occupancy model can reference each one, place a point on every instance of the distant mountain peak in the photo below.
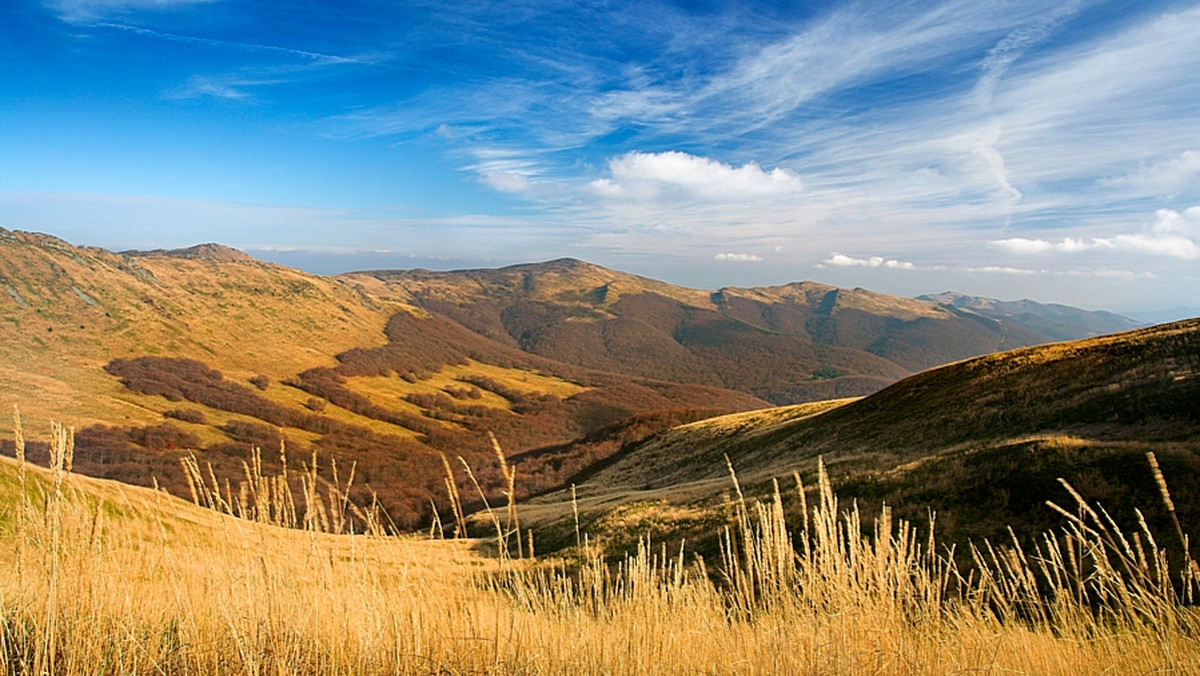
(1060, 322)
(565, 262)
(34, 238)
(208, 251)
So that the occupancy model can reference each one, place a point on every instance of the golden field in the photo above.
(99, 577)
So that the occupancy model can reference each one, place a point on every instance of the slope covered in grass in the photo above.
(98, 577)
(152, 354)
(983, 442)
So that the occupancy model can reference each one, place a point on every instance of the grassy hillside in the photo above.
(99, 577)
(149, 354)
(983, 442)
(67, 311)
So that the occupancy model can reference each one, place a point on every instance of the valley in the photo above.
(582, 374)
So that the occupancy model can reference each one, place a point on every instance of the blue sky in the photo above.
(1008, 149)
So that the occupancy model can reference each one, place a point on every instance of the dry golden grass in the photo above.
(97, 577)
(390, 390)
(520, 380)
(80, 308)
(760, 419)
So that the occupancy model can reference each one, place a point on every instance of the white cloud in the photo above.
(1023, 245)
(1124, 275)
(1148, 243)
(842, 260)
(677, 176)
(1173, 235)
(768, 80)
(1100, 273)
(507, 181)
(1171, 222)
(1006, 52)
(234, 88)
(1014, 136)
(986, 148)
(1160, 177)
(1028, 144)
(1003, 270)
(738, 257)
(314, 58)
(513, 173)
(1029, 140)
(1159, 245)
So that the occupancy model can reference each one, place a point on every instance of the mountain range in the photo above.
(786, 344)
(153, 354)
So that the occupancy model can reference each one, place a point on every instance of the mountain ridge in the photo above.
(148, 355)
(1050, 318)
(793, 339)
(208, 251)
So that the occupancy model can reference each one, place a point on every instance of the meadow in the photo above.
(98, 577)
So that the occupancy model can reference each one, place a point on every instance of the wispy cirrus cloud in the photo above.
(1013, 135)
(89, 10)
(263, 64)
(843, 261)
(318, 58)
(1043, 148)
(1005, 53)
(228, 87)
(1165, 176)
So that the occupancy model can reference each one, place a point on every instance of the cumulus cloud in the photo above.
(738, 257)
(674, 175)
(1173, 234)
(842, 260)
(1171, 222)
(1159, 245)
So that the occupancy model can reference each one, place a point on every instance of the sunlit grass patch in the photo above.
(100, 577)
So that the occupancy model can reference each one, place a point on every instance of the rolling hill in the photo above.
(152, 354)
(982, 442)
(149, 354)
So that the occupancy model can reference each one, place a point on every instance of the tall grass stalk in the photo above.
(122, 580)
(270, 498)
